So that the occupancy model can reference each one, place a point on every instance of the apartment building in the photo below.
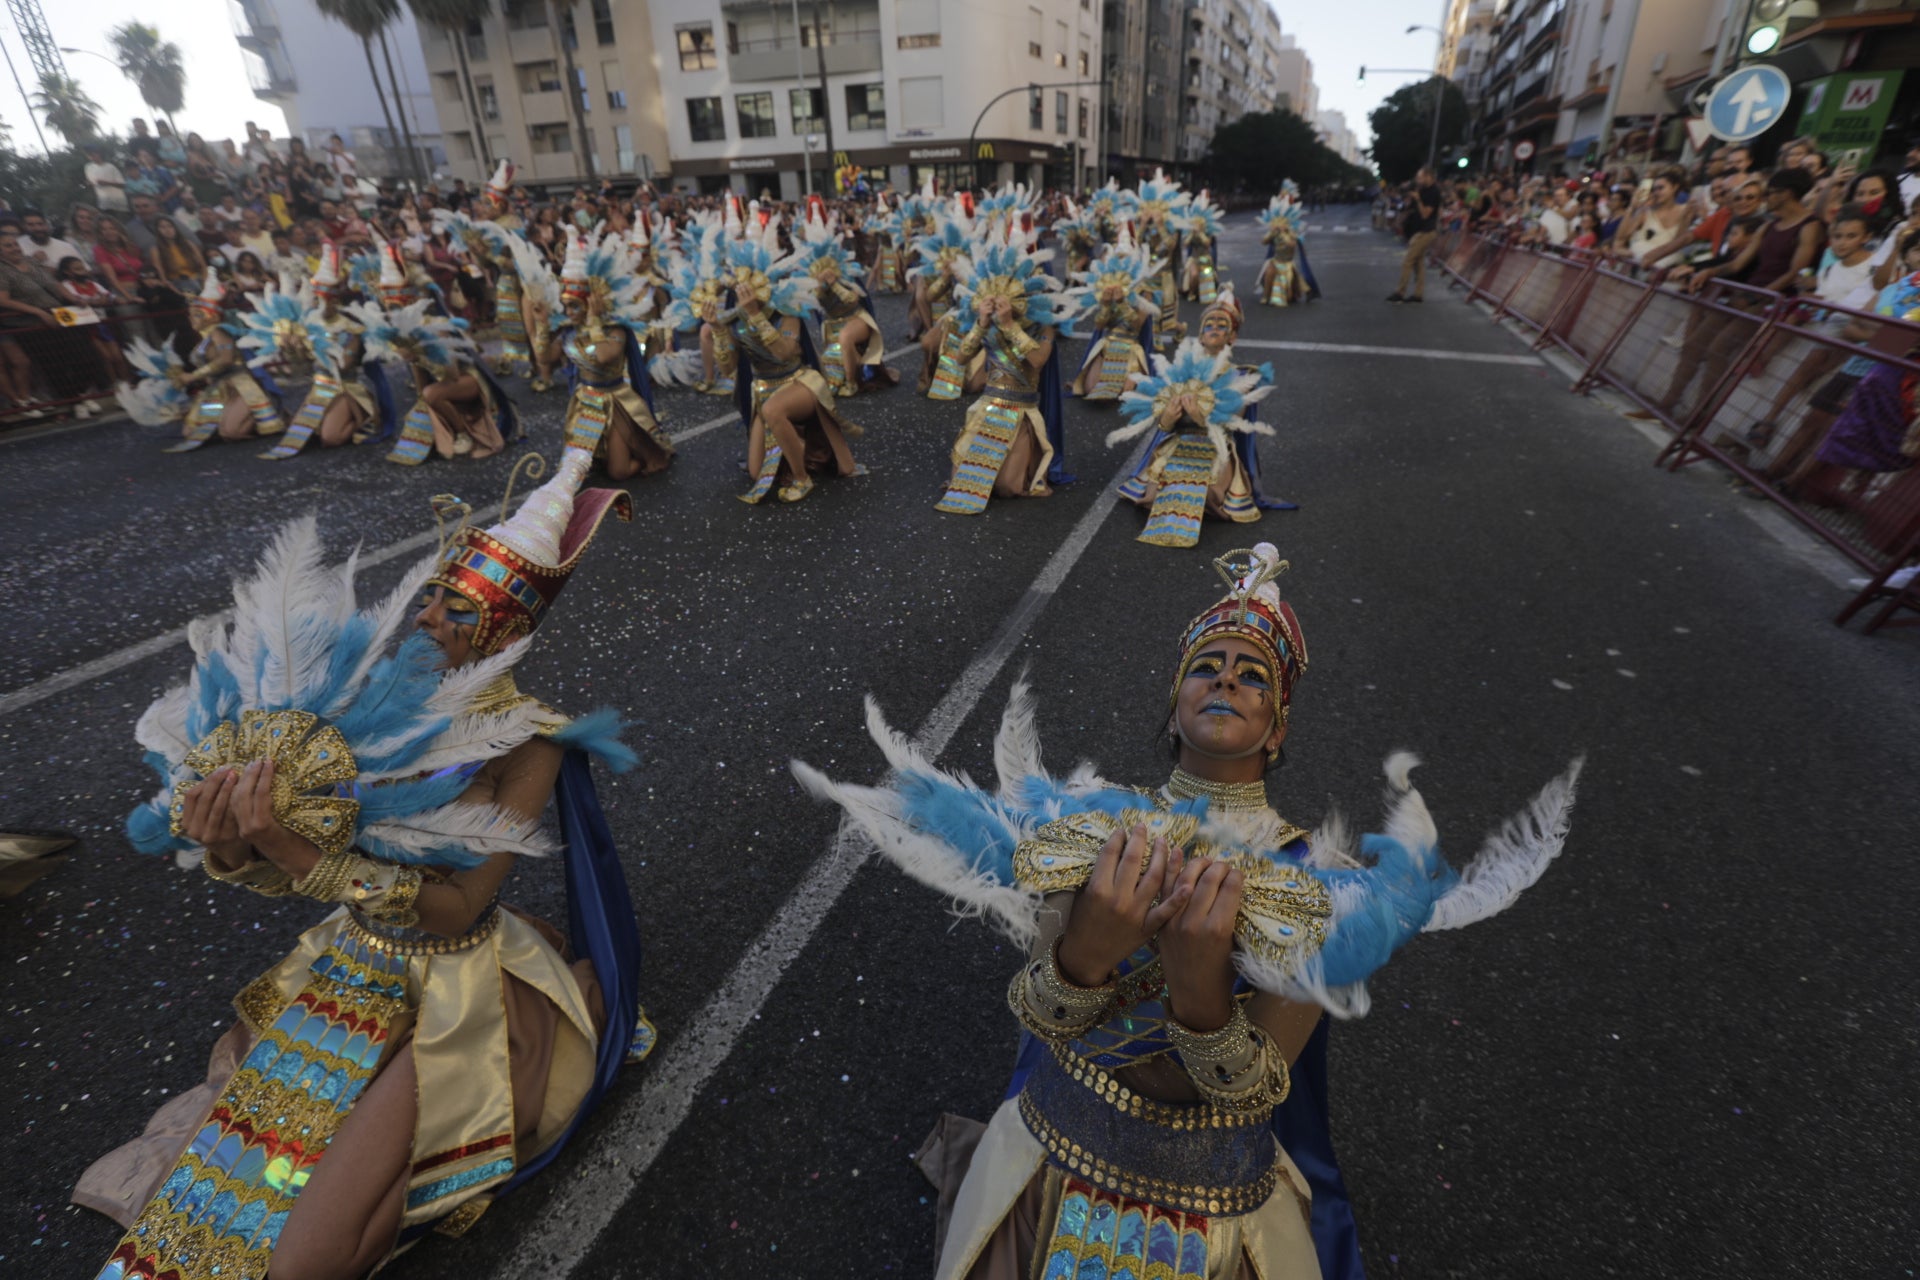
(1333, 130)
(501, 92)
(1518, 102)
(1466, 43)
(1293, 80)
(315, 71)
(1612, 74)
(1144, 43)
(758, 94)
(1232, 68)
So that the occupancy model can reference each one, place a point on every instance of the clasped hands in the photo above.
(1186, 906)
(231, 812)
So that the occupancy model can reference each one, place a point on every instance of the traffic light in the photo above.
(1461, 162)
(1771, 21)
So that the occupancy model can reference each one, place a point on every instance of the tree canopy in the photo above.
(1256, 151)
(67, 109)
(1403, 127)
(154, 65)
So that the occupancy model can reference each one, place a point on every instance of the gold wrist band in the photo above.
(1050, 1006)
(259, 875)
(1234, 1067)
(328, 878)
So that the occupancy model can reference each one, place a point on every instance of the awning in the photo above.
(1580, 146)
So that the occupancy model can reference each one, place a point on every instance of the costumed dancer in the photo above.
(1119, 312)
(1168, 1113)
(230, 399)
(539, 304)
(1281, 283)
(1182, 476)
(1201, 223)
(422, 1050)
(852, 352)
(509, 293)
(695, 284)
(350, 401)
(889, 263)
(460, 411)
(610, 416)
(1106, 208)
(1156, 208)
(944, 373)
(786, 405)
(1012, 443)
(1079, 236)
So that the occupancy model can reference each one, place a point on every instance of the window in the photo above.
(489, 100)
(603, 22)
(1060, 45)
(696, 49)
(623, 147)
(921, 42)
(866, 106)
(756, 114)
(706, 120)
(550, 139)
(476, 41)
(1059, 112)
(1036, 110)
(922, 103)
(526, 15)
(615, 78)
(1036, 23)
(580, 86)
(1083, 117)
(539, 77)
(1085, 62)
(809, 110)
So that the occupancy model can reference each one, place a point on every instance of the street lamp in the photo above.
(1439, 91)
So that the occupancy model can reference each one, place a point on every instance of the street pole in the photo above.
(800, 78)
(826, 107)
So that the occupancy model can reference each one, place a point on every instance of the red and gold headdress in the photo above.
(326, 280)
(575, 280)
(1253, 611)
(396, 287)
(513, 572)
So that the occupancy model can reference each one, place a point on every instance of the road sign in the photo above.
(1523, 150)
(1748, 103)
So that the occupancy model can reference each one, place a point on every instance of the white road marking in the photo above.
(626, 1145)
(108, 663)
(1351, 349)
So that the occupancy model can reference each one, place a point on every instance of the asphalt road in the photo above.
(1687, 1052)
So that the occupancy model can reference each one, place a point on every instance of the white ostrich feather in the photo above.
(1016, 748)
(468, 738)
(387, 617)
(1513, 858)
(277, 612)
(483, 829)
(459, 686)
(162, 727)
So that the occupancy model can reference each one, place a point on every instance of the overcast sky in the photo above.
(219, 100)
(1342, 37)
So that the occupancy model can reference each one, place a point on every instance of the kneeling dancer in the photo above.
(422, 1050)
(1182, 940)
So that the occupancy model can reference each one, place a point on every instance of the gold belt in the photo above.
(395, 941)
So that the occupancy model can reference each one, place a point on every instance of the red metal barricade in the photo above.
(1819, 418)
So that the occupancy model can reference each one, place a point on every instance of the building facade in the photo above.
(1517, 109)
(499, 87)
(1612, 76)
(1333, 130)
(1144, 43)
(757, 95)
(1232, 68)
(315, 71)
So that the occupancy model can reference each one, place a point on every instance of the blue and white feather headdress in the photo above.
(1159, 195)
(478, 236)
(1220, 390)
(537, 281)
(950, 240)
(373, 741)
(816, 243)
(276, 328)
(604, 266)
(1124, 264)
(756, 266)
(1005, 263)
(1202, 217)
(154, 398)
(412, 333)
(1281, 211)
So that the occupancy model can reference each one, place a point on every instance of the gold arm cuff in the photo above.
(1234, 1067)
(258, 875)
(328, 878)
(1052, 1007)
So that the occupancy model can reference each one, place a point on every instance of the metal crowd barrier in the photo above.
(1822, 421)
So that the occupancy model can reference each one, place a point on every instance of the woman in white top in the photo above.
(1653, 232)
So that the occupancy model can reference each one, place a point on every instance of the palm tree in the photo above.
(67, 109)
(152, 64)
(367, 19)
(563, 9)
(454, 17)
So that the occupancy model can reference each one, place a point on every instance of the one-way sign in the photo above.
(1748, 103)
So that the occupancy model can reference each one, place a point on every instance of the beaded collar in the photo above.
(1229, 796)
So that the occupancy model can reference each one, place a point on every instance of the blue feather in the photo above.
(598, 734)
(1394, 902)
(456, 856)
(149, 829)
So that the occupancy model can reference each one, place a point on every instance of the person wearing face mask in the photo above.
(421, 1050)
(1168, 1106)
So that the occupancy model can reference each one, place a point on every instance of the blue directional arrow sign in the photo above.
(1748, 103)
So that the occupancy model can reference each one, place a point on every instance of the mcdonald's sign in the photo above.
(841, 160)
(983, 152)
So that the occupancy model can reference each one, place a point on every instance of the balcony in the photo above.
(544, 108)
(774, 59)
(535, 45)
(255, 24)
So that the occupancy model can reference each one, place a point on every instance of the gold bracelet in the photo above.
(328, 878)
(1233, 1067)
(1050, 1006)
(393, 904)
(258, 875)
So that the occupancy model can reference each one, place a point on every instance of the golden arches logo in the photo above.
(984, 151)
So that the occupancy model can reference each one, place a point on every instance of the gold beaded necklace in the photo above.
(1220, 795)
